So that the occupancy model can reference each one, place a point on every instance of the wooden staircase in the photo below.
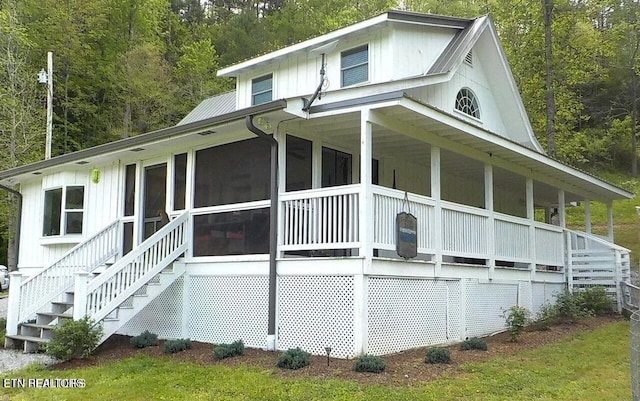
(110, 296)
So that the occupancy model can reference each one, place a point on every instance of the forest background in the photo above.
(126, 67)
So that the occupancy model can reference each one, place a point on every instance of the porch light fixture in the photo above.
(328, 350)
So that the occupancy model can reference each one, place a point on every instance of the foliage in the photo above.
(369, 363)
(546, 316)
(569, 306)
(293, 358)
(474, 343)
(223, 351)
(144, 339)
(74, 339)
(3, 330)
(516, 318)
(177, 345)
(595, 300)
(438, 355)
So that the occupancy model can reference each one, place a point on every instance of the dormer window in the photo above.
(262, 89)
(354, 65)
(467, 103)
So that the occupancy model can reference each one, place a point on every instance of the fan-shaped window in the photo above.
(467, 103)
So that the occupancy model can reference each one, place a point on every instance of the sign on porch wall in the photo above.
(406, 235)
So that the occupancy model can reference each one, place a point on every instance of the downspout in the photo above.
(273, 231)
(18, 220)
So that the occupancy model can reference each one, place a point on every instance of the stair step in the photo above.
(52, 314)
(62, 303)
(27, 338)
(38, 326)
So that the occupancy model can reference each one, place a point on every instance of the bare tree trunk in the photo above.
(634, 123)
(547, 8)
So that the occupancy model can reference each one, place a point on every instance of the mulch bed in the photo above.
(404, 368)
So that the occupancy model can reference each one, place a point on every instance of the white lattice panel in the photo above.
(223, 309)
(315, 312)
(162, 316)
(485, 305)
(409, 313)
(544, 293)
(525, 298)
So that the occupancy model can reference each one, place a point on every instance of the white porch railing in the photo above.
(37, 291)
(107, 291)
(328, 219)
(320, 219)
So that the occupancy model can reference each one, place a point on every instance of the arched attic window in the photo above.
(467, 103)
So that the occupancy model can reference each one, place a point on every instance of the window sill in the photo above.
(61, 240)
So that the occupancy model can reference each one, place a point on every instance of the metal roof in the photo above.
(458, 48)
(211, 107)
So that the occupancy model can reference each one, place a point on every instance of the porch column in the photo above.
(532, 228)
(281, 138)
(491, 223)
(610, 220)
(437, 215)
(587, 216)
(562, 212)
(366, 228)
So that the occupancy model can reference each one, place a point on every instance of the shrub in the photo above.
(547, 316)
(517, 318)
(369, 363)
(145, 339)
(294, 358)
(438, 355)
(74, 339)
(474, 343)
(178, 345)
(569, 306)
(3, 330)
(223, 351)
(594, 300)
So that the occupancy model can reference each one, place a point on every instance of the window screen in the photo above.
(262, 90)
(355, 65)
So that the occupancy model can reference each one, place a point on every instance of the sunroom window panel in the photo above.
(232, 173)
(299, 164)
(74, 198)
(232, 233)
(179, 181)
(73, 223)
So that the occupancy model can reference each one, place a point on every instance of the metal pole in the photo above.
(47, 154)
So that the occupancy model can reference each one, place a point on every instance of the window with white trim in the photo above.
(467, 103)
(262, 89)
(63, 211)
(354, 66)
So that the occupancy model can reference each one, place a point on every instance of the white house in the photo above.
(269, 213)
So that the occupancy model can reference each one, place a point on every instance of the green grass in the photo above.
(590, 366)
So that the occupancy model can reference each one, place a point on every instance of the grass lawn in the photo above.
(589, 366)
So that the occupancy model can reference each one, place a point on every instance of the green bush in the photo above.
(547, 316)
(594, 300)
(74, 339)
(369, 363)
(3, 330)
(438, 355)
(223, 351)
(293, 358)
(178, 345)
(474, 343)
(517, 318)
(569, 306)
(145, 339)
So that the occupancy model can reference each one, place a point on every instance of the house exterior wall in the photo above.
(101, 207)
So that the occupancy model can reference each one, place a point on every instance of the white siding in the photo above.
(414, 49)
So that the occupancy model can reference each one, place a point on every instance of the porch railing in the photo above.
(37, 291)
(321, 219)
(108, 290)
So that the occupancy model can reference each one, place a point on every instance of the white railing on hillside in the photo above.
(321, 219)
(37, 291)
(107, 291)
(464, 230)
(594, 261)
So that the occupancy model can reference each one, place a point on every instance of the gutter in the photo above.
(18, 220)
(273, 230)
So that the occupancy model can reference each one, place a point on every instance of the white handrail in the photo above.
(37, 291)
(107, 291)
(595, 238)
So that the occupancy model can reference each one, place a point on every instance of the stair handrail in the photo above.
(121, 280)
(602, 241)
(630, 296)
(38, 290)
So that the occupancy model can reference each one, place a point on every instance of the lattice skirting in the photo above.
(162, 316)
(544, 293)
(409, 313)
(485, 306)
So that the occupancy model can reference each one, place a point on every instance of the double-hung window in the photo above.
(354, 66)
(262, 89)
(63, 211)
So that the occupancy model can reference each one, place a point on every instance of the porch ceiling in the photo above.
(467, 144)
